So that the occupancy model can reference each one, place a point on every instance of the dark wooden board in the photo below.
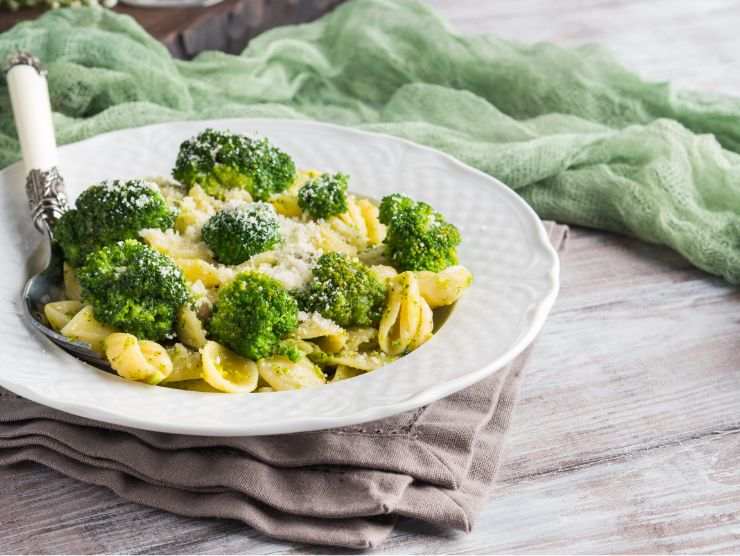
(227, 26)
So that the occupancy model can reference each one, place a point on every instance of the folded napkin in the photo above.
(582, 139)
(343, 487)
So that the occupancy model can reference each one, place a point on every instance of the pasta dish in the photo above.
(242, 273)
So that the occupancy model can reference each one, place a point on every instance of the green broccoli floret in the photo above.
(110, 212)
(324, 196)
(343, 290)
(133, 288)
(242, 230)
(418, 237)
(287, 348)
(220, 160)
(252, 314)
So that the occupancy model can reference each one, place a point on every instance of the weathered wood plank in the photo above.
(633, 359)
(692, 44)
(89, 519)
(681, 497)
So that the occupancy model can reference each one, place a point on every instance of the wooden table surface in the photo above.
(227, 26)
(627, 436)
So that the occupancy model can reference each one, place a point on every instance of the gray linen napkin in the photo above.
(342, 487)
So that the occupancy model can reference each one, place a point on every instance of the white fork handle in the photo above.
(29, 96)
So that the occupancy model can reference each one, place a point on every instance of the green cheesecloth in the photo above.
(583, 140)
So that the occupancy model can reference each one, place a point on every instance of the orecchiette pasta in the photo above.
(359, 225)
(186, 364)
(226, 371)
(283, 374)
(359, 337)
(327, 334)
(198, 385)
(193, 213)
(72, 288)
(374, 256)
(85, 328)
(351, 225)
(176, 246)
(315, 326)
(331, 241)
(304, 175)
(426, 326)
(384, 272)
(368, 361)
(286, 203)
(190, 329)
(343, 373)
(407, 320)
(268, 258)
(172, 191)
(240, 195)
(370, 214)
(445, 287)
(59, 313)
(333, 343)
(303, 346)
(196, 270)
(202, 201)
(135, 359)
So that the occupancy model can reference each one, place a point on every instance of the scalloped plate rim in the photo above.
(313, 423)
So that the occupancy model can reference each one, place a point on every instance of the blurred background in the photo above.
(691, 43)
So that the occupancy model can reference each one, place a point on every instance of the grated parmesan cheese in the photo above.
(313, 325)
(291, 263)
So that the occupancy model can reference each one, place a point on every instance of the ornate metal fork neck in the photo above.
(23, 59)
(47, 198)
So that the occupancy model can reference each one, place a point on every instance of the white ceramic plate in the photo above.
(504, 245)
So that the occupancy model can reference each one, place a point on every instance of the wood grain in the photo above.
(680, 497)
(629, 361)
(227, 26)
(693, 44)
(627, 435)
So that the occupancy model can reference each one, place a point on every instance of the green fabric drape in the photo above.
(582, 139)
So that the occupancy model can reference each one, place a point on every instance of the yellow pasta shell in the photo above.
(333, 343)
(85, 328)
(286, 204)
(197, 269)
(445, 287)
(426, 325)
(140, 360)
(407, 321)
(190, 329)
(283, 374)
(343, 373)
(186, 364)
(374, 229)
(59, 313)
(226, 371)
